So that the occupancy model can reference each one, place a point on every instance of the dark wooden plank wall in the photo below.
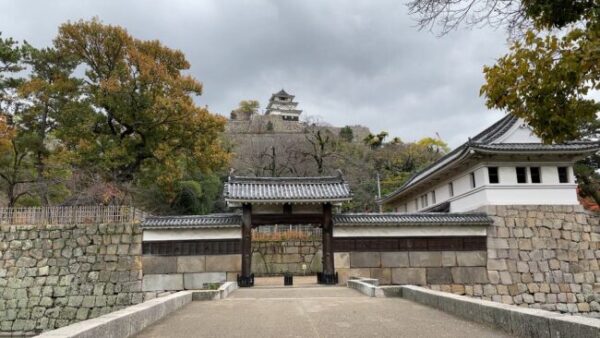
(351, 244)
(192, 247)
(384, 244)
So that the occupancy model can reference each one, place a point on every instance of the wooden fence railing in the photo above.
(70, 215)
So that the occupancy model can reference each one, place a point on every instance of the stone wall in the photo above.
(54, 275)
(173, 273)
(542, 257)
(259, 124)
(277, 257)
(414, 267)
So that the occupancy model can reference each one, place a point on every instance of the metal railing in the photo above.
(70, 215)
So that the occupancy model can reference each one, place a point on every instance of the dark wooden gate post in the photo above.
(328, 276)
(247, 277)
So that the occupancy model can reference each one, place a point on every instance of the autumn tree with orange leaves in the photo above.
(142, 125)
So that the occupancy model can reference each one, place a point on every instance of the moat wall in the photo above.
(542, 257)
(545, 257)
(55, 275)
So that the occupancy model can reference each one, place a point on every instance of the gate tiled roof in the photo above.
(287, 189)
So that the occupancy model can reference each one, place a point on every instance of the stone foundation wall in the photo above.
(55, 275)
(276, 257)
(414, 267)
(174, 273)
(542, 257)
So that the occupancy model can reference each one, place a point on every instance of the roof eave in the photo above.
(284, 201)
(536, 151)
(404, 189)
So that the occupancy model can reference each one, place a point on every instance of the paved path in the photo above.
(312, 312)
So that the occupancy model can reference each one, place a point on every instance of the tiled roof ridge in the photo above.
(483, 140)
(191, 221)
(497, 129)
(411, 218)
(287, 179)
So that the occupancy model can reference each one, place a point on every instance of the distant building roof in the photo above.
(486, 142)
(324, 189)
(282, 93)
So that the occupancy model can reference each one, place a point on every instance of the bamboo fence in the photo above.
(70, 215)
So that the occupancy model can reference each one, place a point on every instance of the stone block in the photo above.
(365, 260)
(232, 276)
(439, 276)
(223, 263)
(191, 264)
(469, 275)
(159, 264)
(415, 276)
(342, 275)
(384, 275)
(425, 259)
(471, 258)
(341, 260)
(198, 280)
(317, 262)
(159, 282)
(448, 258)
(394, 260)
(259, 266)
(346, 274)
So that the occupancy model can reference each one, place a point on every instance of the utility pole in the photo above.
(379, 192)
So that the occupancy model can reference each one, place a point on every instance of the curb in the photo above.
(519, 321)
(125, 322)
(221, 293)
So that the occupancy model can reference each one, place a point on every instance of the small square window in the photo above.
(493, 175)
(451, 189)
(521, 175)
(563, 175)
(424, 201)
(535, 175)
(473, 182)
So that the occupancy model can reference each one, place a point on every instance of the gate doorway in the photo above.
(291, 201)
(294, 251)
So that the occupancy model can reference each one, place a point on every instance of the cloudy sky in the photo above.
(347, 62)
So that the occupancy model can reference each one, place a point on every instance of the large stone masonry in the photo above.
(174, 273)
(277, 257)
(541, 257)
(55, 275)
(454, 268)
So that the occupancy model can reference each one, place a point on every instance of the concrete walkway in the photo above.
(312, 312)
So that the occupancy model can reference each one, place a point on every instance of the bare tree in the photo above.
(321, 146)
(445, 16)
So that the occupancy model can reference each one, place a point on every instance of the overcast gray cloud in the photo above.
(348, 62)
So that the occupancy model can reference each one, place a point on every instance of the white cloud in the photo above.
(359, 62)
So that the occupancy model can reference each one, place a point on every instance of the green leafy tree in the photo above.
(15, 160)
(550, 72)
(375, 141)
(346, 134)
(143, 123)
(246, 109)
(546, 81)
(50, 95)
